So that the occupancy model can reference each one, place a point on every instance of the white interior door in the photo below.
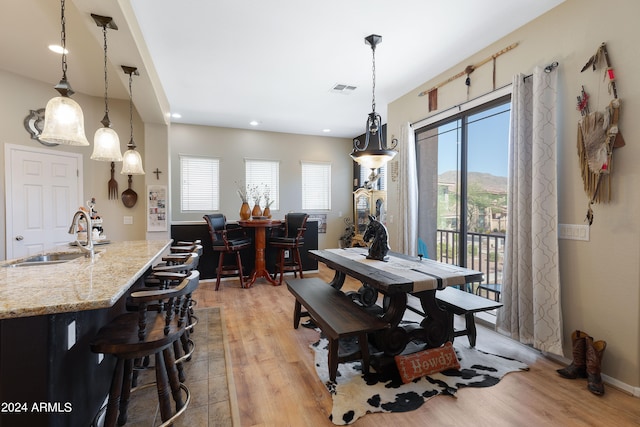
(43, 190)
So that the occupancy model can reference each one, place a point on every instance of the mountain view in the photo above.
(488, 182)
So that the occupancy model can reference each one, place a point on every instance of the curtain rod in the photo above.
(459, 106)
(547, 69)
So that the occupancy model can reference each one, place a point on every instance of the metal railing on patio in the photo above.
(485, 252)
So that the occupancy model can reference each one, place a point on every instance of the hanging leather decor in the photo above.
(598, 135)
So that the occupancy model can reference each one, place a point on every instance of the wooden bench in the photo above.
(456, 301)
(337, 316)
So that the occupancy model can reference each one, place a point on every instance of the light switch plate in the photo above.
(128, 220)
(573, 232)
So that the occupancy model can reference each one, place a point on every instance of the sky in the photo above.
(488, 139)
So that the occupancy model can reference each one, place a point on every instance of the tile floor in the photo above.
(205, 377)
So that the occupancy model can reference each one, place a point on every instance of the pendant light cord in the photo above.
(131, 143)
(373, 71)
(106, 81)
(63, 39)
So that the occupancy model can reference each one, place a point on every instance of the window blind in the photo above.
(316, 185)
(200, 184)
(265, 176)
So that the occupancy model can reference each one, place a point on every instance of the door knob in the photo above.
(18, 238)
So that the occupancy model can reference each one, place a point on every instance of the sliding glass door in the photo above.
(462, 172)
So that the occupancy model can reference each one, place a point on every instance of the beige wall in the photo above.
(19, 95)
(600, 278)
(232, 146)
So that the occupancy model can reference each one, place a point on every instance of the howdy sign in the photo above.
(427, 362)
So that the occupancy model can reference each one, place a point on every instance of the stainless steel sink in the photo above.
(55, 258)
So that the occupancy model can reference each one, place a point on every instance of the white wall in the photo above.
(232, 146)
(600, 278)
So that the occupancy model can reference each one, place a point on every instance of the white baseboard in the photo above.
(613, 382)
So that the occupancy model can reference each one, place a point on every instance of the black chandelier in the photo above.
(370, 154)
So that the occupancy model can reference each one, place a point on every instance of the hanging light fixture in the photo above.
(369, 154)
(131, 160)
(63, 118)
(106, 144)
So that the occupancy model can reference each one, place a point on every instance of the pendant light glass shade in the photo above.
(63, 118)
(132, 163)
(106, 146)
(63, 122)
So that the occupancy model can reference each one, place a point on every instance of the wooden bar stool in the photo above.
(227, 241)
(290, 239)
(136, 335)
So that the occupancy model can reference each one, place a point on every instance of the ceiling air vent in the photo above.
(342, 88)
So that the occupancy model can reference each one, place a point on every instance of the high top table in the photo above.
(260, 242)
(396, 278)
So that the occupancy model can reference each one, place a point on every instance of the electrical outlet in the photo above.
(128, 220)
(286, 254)
(573, 232)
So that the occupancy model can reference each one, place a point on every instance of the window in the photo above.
(462, 173)
(200, 184)
(316, 185)
(264, 176)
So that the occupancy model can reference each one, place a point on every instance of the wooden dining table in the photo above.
(260, 243)
(395, 278)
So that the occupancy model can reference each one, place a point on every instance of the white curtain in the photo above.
(408, 192)
(531, 285)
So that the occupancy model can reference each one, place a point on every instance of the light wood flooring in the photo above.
(276, 383)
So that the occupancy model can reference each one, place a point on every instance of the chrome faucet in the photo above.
(88, 249)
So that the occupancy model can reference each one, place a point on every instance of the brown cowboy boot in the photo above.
(595, 351)
(578, 367)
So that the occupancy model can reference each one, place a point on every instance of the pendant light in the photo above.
(131, 160)
(106, 144)
(373, 157)
(63, 118)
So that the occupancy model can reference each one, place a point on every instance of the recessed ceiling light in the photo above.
(176, 115)
(57, 49)
(326, 130)
(254, 123)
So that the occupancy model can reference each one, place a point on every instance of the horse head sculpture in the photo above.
(377, 232)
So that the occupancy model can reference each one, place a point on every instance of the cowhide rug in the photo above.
(355, 396)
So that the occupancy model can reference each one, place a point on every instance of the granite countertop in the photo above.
(79, 284)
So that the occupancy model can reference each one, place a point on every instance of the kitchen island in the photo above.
(48, 315)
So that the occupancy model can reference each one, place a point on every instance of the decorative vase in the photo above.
(256, 211)
(267, 212)
(245, 211)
